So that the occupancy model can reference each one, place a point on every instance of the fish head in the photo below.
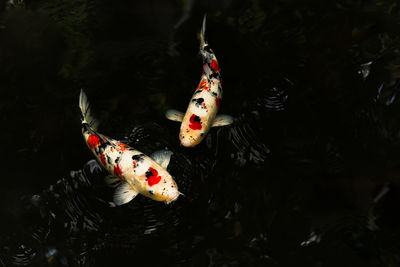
(171, 192)
(189, 139)
(160, 186)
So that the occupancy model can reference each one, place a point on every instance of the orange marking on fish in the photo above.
(203, 84)
(122, 146)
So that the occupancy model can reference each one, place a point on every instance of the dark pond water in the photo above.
(308, 174)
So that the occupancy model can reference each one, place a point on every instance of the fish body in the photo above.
(201, 113)
(135, 172)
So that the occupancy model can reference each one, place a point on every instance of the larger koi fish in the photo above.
(131, 170)
(201, 113)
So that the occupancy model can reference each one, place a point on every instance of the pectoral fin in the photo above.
(222, 120)
(174, 115)
(112, 181)
(124, 193)
(162, 157)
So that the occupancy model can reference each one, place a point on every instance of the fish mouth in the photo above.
(173, 198)
(189, 142)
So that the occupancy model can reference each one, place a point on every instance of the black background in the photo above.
(313, 88)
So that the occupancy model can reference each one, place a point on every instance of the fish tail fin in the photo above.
(86, 117)
(203, 43)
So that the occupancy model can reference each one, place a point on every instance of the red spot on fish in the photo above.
(152, 176)
(134, 163)
(218, 101)
(93, 141)
(214, 65)
(117, 171)
(195, 122)
(103, 158)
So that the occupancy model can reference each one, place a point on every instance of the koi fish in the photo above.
(131, 171)
(201, 113)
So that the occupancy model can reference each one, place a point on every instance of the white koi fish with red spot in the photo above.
(131, 170)
(201, 113)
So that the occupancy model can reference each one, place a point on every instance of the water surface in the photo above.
(307, 175)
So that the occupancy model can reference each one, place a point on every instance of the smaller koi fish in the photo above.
(131, 171)
(201, 113)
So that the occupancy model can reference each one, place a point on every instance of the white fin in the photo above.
(162, 157)
(203, 43)
(124, 193)
(84, 105)
(112, 181)
(174, 115)
(222, 120)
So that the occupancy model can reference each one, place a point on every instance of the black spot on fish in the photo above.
(202, 133)
(214, 94)
(151, 192)
(85, 126)
(199, 102)
(108, 159)
(117, 160)
(196, 118)
(138, 157)
(215, 75)
(197, 91)
(98, 150)
(149, 174)
(103, 144)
